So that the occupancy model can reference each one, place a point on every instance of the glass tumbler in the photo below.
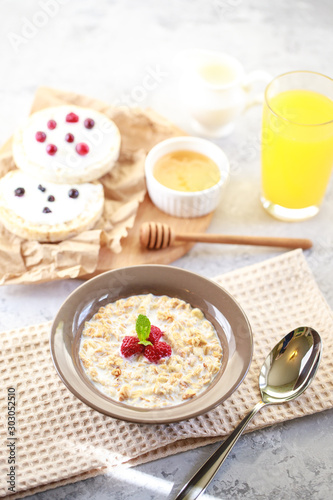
(297, 144)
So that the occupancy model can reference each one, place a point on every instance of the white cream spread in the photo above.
(101, 139)
(30, 205)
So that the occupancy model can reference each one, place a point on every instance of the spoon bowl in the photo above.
(287, 371)
(290, 366)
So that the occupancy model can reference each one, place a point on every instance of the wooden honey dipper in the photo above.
(155, 235)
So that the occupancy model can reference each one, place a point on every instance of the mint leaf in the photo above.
(142, 327)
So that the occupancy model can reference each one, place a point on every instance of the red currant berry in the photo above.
(51, 149)
(72, 118)
(82, 148)
(51, 124)
(40, 136)
(89, 123)
(69, 137)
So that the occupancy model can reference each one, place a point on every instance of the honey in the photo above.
(186, 171)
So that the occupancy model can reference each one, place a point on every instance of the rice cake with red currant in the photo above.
(67, 144)
(46, 211)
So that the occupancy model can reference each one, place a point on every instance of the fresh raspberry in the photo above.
(163, 349)
(157, 351)
(130, 346)
(155, 334)
(151, 354)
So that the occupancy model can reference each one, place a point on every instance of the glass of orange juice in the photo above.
(297, 144)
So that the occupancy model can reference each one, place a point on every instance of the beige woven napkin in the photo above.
(61, 440)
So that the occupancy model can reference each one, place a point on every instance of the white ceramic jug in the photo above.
(214, 90)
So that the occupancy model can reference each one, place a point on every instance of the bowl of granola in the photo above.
(151, 344)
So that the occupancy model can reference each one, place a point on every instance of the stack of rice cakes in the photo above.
(60, 153)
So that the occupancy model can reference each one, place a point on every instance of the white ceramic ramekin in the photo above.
(179, 203)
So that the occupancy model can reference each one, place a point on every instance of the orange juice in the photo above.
(297, 148)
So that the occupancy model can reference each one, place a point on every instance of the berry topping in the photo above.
(163, 349)
(155, 334)
(69, 137)
(151, 354)
(72, 118)
(51, 198)
(46, 210)
(149, 337)
(41, 188)
(82, 148)
(89, 123)
(19, 191)
(143, 342)
(131, 346)
(157, 351)
(40, 136)
(73, 193)
(51, 124)
(51, 149)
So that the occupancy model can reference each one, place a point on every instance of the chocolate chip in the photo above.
(19, 191)
(73, 193)
(46, 210)
(41, 188)
(51, 198)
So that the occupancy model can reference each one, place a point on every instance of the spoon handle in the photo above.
(200, 480)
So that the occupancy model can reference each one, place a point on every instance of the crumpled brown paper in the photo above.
(23, 261)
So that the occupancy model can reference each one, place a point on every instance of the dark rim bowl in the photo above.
(219, 307)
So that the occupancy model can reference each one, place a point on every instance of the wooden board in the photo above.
(133, 254)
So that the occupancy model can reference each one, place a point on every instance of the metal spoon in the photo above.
(286, 373)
